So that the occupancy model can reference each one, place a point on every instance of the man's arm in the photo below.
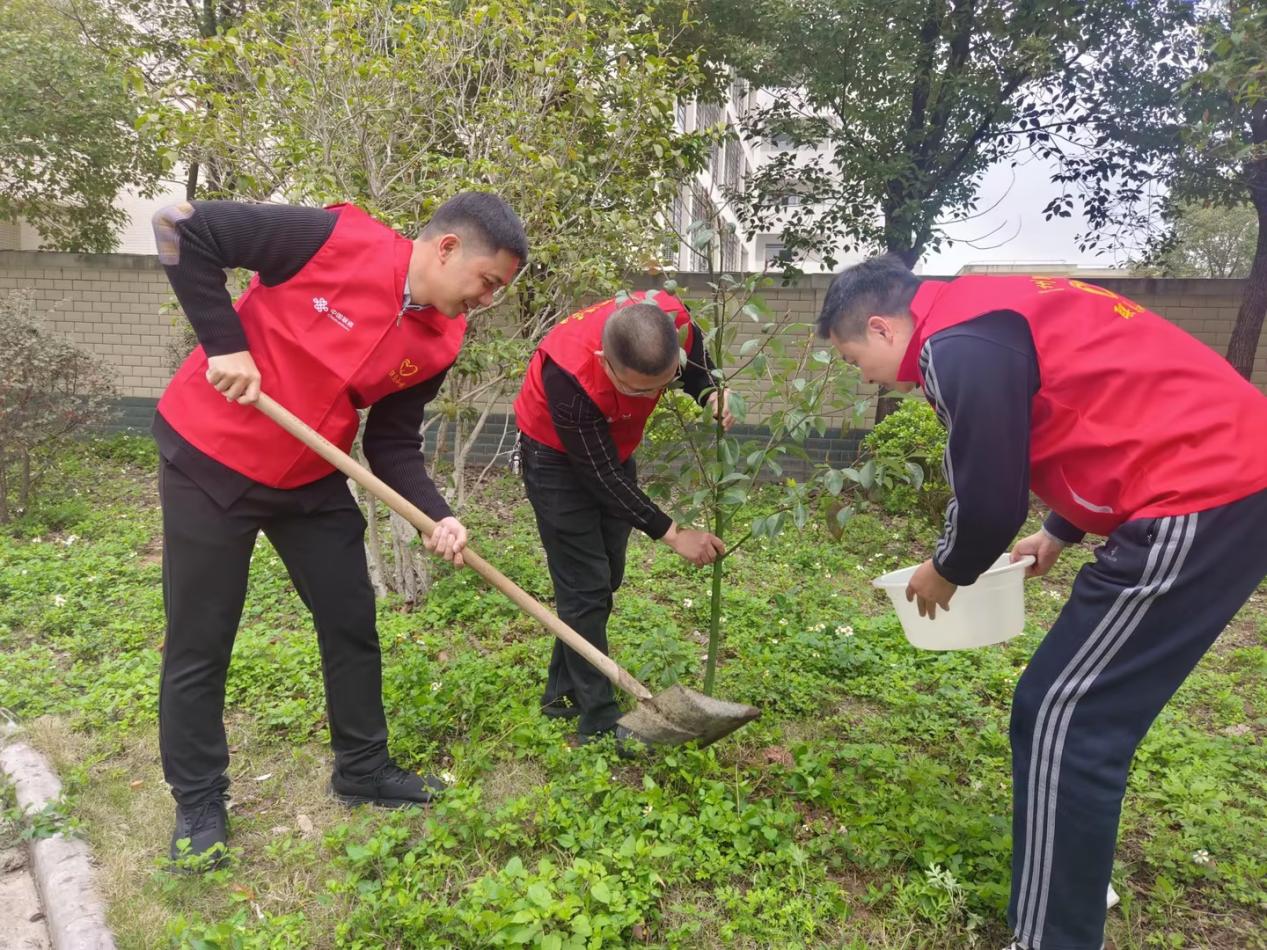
(197, 241)
(981, 378)
(697, 374)
(587, 440)
(393, 446)
(583, 430)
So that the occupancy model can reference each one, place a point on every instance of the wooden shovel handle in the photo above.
(415, 516)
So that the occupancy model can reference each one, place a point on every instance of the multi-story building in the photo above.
(730, 167)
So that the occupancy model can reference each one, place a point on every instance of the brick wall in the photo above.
(110, 304)
(119, 307)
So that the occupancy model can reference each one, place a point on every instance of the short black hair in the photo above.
(483, 218)
(882, 286)
(641, 337)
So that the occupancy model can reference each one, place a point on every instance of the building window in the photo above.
(733, 156)
(704, 214)
(730, 250)
(772, 250)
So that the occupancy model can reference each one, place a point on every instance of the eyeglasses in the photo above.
(628, 389)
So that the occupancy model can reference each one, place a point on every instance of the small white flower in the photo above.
(36, 540)
(435, 687)
(647, 809)
(70, 539)
(688, 603)
(59, 600)
(1201, 856)
(774, 640)
(448, 778)
(845, 631)
(782, 622)
(815, 654)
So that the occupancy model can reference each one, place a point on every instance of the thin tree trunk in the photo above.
(373, 538)
(459, 476)
(462, 450)
(4, 489)
(191, 182)
(25, 498)
(1243, 347)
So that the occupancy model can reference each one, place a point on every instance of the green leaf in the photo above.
(601, 893)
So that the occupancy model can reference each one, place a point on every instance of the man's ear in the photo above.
(447, 245)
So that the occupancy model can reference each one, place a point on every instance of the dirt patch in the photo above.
(21, 920)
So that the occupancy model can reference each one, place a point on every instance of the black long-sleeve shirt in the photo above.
(197, 242)
(582, 428)
(981, 377)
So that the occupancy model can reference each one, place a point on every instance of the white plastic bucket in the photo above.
(990, 611)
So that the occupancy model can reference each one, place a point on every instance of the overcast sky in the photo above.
(1015, 230)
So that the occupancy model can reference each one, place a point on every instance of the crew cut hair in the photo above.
(882, 286)
(484, 219)
(641, 337)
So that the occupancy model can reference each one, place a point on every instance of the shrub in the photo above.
(912, 434)
(50, 390)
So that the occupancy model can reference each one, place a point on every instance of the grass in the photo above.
(868, 808)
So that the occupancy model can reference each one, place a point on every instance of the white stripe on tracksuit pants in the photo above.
(1139, 618)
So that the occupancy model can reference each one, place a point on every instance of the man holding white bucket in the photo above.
(1125, 426)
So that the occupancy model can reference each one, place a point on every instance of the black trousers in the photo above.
(585, 550)
(1140, 617)
(206, 558)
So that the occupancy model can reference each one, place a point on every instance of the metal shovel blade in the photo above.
(679, 715)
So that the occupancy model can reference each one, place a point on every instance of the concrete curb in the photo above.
(62, 866)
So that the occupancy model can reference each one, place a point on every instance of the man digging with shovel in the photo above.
(585, 402)
(343, 313)
(1125, 427)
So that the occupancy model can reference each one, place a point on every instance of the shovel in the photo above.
(671, 717)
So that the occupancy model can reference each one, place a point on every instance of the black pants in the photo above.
(1140, 617)
(585, 550)
(206, 558)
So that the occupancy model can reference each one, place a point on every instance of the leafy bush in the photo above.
(50, 390)
(912, 434)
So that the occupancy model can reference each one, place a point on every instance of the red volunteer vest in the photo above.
(328, 341)
(1134, 418)
(571, 345)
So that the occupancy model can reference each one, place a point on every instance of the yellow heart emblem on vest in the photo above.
(407, 368)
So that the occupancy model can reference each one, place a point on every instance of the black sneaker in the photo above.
(204, 830)
(561, 707)
(389, 787)
(629, 745)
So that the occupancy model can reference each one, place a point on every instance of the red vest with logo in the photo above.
(1133, 418)
(329, 341)
(571, 345)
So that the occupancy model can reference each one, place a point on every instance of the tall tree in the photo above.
(68, 141)
(1184, 125)
(890, 110)
(1207, 241)
(156, 37)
